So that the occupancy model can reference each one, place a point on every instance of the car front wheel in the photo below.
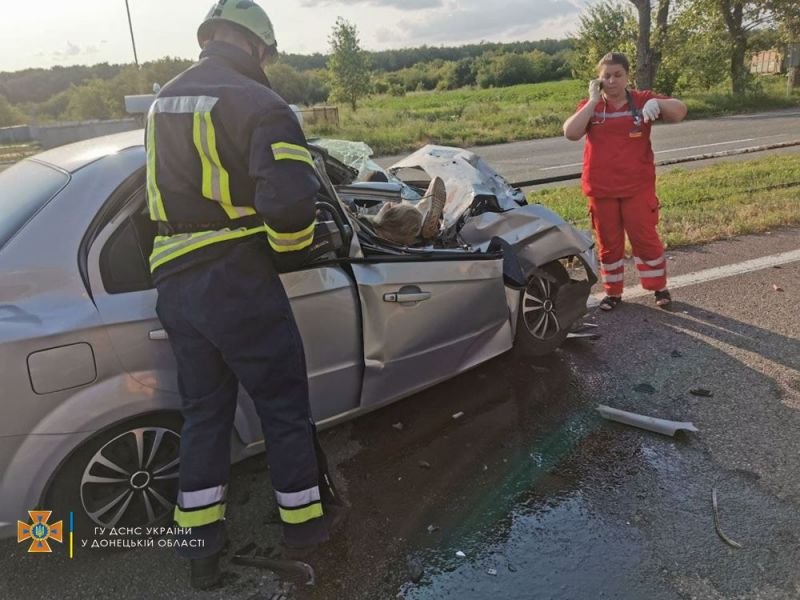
(541, 327)
(124, 477)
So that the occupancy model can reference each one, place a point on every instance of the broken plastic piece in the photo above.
(702, 392)
(662, 426)
(424, 464)
(458, 415)
(398, 426)
(460, 554)
(721, 533)
(776, 287)
(492, 572)
(583, 336)
(432, 528)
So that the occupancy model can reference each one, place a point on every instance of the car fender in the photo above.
(536, 234)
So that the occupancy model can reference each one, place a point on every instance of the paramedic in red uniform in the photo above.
(619, 175)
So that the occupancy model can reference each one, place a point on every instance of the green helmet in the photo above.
(244, 13)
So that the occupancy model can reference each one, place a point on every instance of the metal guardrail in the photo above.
(663, 163)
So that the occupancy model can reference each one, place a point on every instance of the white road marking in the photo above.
(707, 145)
(748, 266)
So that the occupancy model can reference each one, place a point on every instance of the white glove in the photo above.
(594, 90)
(651, 110)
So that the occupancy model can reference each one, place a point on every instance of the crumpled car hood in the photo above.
(466, 176)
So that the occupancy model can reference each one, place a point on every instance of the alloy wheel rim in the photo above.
(133, 479)
(539, 309)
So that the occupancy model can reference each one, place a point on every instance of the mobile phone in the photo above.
(600, 81)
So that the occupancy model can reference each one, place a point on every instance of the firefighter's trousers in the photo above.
(229, 321)
(637, 216)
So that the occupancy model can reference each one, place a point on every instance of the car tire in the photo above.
(125, 476)
(539, 329)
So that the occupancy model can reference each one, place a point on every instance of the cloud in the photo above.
(469, 20)
(408, 5)
(72, 50)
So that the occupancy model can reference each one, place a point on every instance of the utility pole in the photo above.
(133, 41)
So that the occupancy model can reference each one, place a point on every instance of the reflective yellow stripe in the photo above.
(197, 136)
(287, 151)
(295, 516)
(221, 173)
(167, 248)
(216, 180)
(291, 242)
(198, 518)
(155, 203)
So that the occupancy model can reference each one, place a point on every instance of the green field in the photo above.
(715, 202)
(474, 117)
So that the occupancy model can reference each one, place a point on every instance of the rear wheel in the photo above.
(124, 477)
(540, 327)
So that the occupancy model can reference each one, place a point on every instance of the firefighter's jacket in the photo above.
(226, 160)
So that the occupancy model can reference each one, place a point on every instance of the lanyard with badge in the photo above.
(636, 132)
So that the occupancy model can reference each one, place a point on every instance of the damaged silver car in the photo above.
(90, 418)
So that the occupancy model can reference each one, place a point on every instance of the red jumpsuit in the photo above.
(619, 179)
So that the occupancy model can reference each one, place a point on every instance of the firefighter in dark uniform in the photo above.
(232, 187)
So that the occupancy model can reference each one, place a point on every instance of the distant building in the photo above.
(767, 61)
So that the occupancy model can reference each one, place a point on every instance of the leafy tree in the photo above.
(91, 101)
(9, 114)
(348, 65)
(649, 46)
(695, 55)
(609, 26)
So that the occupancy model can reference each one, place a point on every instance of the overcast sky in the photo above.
(43, 33)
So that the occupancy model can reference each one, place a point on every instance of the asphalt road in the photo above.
(543, 498)
(536, 159)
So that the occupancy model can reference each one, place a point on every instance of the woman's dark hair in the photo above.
(615, 58)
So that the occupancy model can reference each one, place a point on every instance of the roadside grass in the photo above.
(476, 117)
(12, 153)
(716, 202)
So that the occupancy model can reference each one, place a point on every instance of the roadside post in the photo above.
(793, 68)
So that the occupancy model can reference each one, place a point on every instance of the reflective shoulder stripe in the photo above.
(291, 242)
(155, 203)
(287, 151)
(198, 518)
(183, 104)
(619, 115)
(167, 248)
(295, 516)
(204, 497)
(301, 498)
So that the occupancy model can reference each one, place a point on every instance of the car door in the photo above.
(427, 318)
(323, 300)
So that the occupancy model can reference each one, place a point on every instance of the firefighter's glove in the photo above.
(651, 110)
(595, 86)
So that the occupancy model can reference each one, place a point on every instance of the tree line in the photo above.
(675, 45)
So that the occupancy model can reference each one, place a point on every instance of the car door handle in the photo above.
(407, 297)
(158, 334)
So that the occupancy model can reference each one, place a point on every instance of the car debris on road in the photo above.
(662, 426)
